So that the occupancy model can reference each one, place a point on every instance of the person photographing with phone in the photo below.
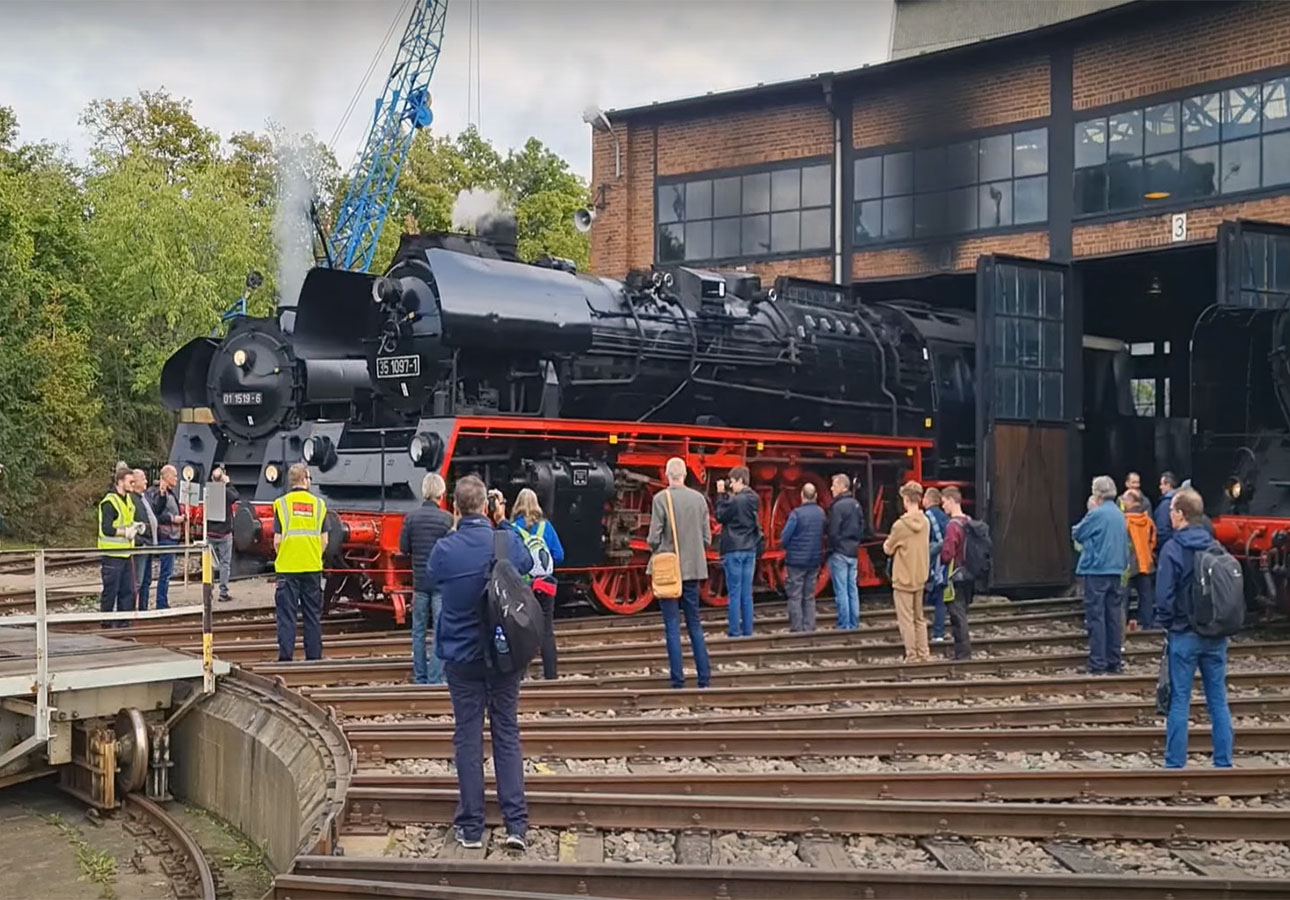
(737, 510)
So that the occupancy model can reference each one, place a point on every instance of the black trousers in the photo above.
(299, 591)
(548, 635)
(958, 610)
(118, 587)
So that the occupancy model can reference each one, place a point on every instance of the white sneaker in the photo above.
(938, 640)
(469, 843)
(516, 842)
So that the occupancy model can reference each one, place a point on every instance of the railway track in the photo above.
(795, 665)
(380, 700)
(398, 795)
(188, 869)
(328, 878)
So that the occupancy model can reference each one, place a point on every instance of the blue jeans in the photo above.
(672, 634)
(936, 598)
(739, 578)
(165, 566)
(845, 592)
(1103, 617)
(425, 611)
(298, 591)
(1186, 650)
(474, 690)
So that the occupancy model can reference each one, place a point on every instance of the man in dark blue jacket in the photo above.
(803, 541)
(1175, 577)
(1164, 530)
(846, 530)
(459, 566)
(422, 529)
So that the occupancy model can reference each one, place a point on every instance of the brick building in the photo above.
(1117, 151)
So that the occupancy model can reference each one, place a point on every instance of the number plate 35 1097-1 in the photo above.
(398, 366)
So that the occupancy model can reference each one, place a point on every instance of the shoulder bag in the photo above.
(665, 568)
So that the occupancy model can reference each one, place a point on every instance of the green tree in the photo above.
(155, 125)
(170, 252)
(51, 437)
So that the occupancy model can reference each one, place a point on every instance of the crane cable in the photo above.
(399, 16)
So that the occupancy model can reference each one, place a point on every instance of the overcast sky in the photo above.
(541, 61)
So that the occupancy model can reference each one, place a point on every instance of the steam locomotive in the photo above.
(1241, 450)
(462, 359)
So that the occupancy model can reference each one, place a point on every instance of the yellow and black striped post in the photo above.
(208, 650)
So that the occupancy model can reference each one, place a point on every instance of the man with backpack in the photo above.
(966, 551)
(463, 566)
(1104, 557)
(1200, 602)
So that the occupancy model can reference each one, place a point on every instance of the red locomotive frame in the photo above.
(375, 576)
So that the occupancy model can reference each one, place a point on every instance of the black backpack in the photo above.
(509, 605)
(1217, 593)
(976, 548)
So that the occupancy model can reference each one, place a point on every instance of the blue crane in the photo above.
(403, 108)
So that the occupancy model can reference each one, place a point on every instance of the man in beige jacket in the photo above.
(907, 545)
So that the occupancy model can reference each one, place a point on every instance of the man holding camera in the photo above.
(117, 531)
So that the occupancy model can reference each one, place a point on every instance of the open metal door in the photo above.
(1254, 265)
(1028, 377)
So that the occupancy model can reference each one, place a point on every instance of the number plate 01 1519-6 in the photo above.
(398, 366)
(243, 398)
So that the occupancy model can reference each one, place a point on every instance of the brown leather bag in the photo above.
(665, 568)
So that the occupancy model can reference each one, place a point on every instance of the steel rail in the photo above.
(378, 700)
(629, 628)
(1001, 715)
(329, 877)
(377, 644)
(374, 748)
(196, 868)
(674, 812)
(399, 668)
(400, 791)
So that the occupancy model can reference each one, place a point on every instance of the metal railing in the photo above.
(42, 618)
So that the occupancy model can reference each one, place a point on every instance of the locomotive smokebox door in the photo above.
(573, 493)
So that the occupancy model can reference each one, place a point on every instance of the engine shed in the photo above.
(1103, 186)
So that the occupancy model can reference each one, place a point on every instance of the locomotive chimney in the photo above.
(499, 229)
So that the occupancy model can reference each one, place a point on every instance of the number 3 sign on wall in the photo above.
(1178, 227)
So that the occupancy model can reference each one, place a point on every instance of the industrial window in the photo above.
(972, 185)
(782, 211)
(1029, 359)
(1222, 142)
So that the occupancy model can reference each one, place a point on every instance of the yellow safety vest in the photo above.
(110, 544)
(301, 515)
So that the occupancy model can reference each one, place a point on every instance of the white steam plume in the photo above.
(472, 205)
(292, 229)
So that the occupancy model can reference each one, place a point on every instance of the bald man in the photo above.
(163, 501)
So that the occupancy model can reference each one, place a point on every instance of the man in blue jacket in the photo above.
(459, 567)
(1164, 530)
(803, 541)
(1187, 649)
(1103, 560)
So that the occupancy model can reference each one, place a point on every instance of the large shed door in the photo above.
(1254, 265)
(1028, 340)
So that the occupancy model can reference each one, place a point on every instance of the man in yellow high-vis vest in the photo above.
(116, 533)
(299, 540)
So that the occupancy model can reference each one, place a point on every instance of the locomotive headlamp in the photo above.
(319, 451)
(426, 450)
(271, 474)
(239, 358)
(189, 472)
(1233, 488)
